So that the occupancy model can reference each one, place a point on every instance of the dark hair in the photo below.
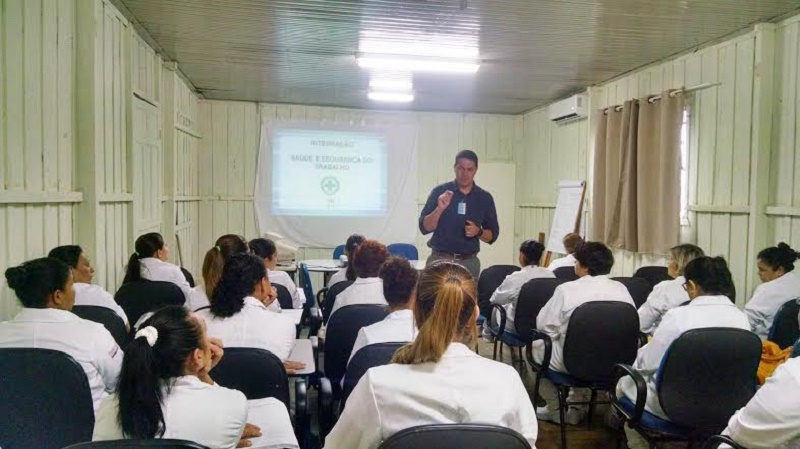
(224, 247)
(239, 277)
(146, 370)
(69, 254)
(595, 256)
(467, 154)
(781, 256)
(350, 247)
(35, 280)
(712, 275)
(571, 241)
(368, 258)
(263, 248)
(532, 250)
(147, 245)
(399, 280)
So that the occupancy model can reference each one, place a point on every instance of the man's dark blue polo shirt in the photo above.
(449, 236)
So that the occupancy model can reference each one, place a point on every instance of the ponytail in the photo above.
(350, 247)
(133, 272)
(214, 261)
(238, 280)
(712, 275)
(147, 245)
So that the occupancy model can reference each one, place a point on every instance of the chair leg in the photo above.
(562, 413)
(494, 352)
(591, 407)
(501, 350)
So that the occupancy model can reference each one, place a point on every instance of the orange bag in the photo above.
(771, 357)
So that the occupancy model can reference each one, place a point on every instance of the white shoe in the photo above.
(574, 415)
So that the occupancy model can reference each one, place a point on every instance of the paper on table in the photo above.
(272, 417)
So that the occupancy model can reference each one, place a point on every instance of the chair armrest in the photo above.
(314, 319)
(300, 400)
(548, 351)
(716, 440)
(321, 296)
(503, 317)
(325, 406)
(620, 371)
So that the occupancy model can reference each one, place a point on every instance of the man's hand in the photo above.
(250, 431)
(293, 367)
(444, 200)
(471, 229)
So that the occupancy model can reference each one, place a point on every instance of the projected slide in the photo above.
(328, 173)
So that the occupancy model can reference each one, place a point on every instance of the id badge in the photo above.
(462, 208)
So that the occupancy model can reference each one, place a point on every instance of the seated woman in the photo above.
(347, 273)
(215, 258)
(709, 285)
(149, 261)
(238, 314)
(780, 284)
(530, 253)
(165, 390)
(368, 287)
(571, 241)
(668, 294)
(44, 287)
(436, 379)
(86, 293)
(400, 290)
(266, 249)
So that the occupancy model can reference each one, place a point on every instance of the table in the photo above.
(333, 265)
(303, 352)
(295, 314)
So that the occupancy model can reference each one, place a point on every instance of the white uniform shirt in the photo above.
(197, 298)
(253, 327)
(665, 296)
(508, 292)
(157, 270)
(554, 317)
(210, 415)
(702, 312)
(89, 343)
(362, 291)
(462, 387)
(95, 295)
(282, 278)
(395, 328)
(768, 298)
(339, 276)
(771, 420)
(566, 261)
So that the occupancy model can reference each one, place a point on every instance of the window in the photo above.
(685, 168)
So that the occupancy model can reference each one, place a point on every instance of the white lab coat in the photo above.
(768, 298)
(362, 291)
(554, 317)
(397, 327)
(95, 295)
(253, 327)
(154, 269)
(771, 420)
(702, 312)
(210, 415)
(282, 278)
(462, 387)
(566, 261)
(89, 343)
(197, 298)
(508, 292)
(665, 296)
(339, 276)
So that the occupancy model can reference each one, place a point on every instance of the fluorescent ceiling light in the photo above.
(391, 97)
(392, 84)
(419, 43)
(417, 64)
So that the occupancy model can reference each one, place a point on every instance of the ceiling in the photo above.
(531, 51)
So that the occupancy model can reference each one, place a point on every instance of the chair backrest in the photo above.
(284, 297)
(367, 357)
(566, 273)
(406, 250)
(489, 280)
(706, 375)
(125, 444)
(341, 334)
(532, 297)
(257, 373)
(45, 400)
(785, 330)
(456, 436)
(652, 274)
(139, 297)
(305, 281)
(338, 251)
(108, 318)
(188, 276)
(330, 298)
(638, 288)
(600, 335)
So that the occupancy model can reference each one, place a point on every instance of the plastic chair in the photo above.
(785, 331)
(139, 297)
(653, 274)
(45, 400)
(406, 250)
(127, 444)
(566, 273)
(338, 251)
(108, 318)
(367, 357)
(330, 298)
(456, 436)
(284, 297)
(638, 288)
(188, 276)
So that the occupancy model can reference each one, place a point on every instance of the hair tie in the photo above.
(150, 333)
(217, 248)
(136, 254)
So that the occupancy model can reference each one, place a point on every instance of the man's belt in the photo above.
(454, 256)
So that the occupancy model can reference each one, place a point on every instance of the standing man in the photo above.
(460, 214)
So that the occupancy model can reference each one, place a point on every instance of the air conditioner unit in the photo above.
(573, 108)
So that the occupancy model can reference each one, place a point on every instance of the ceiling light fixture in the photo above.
(391, 97)
(392, 84)
(416, 63)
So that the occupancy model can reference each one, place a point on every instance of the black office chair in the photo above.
(716, 440)
(456, 436)
(108, 318)
(330, 298)
(367, 357)
(284, 297)
(705, 376)
(566, 273)
(638, 288)
(653, 274)
(601, 334)
(139, 297)
(489, 280)
(785, 330)
(45, 400)
(188, 276)
(128, 444)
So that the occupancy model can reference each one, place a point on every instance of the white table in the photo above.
(294, 314)
(303, 352)
(333, 265)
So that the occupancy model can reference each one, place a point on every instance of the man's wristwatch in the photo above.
(480, 231)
